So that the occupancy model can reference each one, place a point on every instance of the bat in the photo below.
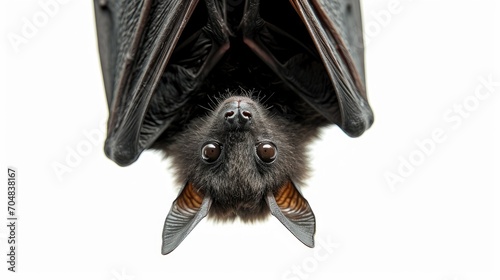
(233, 91)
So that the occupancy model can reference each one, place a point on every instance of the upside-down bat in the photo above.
(233, 91)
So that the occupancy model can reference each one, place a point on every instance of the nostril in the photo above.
(229, 114)
(247, 114)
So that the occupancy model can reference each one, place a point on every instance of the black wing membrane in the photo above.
(337, 46)
(156, 54)
(136, 41)
(330, 78)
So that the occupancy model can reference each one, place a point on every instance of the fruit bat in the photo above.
(233, 91)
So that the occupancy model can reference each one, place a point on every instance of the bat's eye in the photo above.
(266, 152)
(210, 152)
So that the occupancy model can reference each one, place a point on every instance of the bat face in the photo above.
(239, 153)
(241, 160)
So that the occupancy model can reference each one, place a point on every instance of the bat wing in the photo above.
(137, 38)
(330, 74)
(154, 58)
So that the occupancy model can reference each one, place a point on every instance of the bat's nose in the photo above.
(238, 114)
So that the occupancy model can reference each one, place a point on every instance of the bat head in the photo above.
(241, 160)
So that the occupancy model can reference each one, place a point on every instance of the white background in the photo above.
(101, 221)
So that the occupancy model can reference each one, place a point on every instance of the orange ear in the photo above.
(187, 211)
(189, 200)
(294, 212)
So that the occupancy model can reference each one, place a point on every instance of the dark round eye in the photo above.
(210, 152)
(266, 152)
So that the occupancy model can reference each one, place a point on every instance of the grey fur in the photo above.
(238, 181)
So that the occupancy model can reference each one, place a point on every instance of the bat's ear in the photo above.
(293, 211)
(187, 211)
